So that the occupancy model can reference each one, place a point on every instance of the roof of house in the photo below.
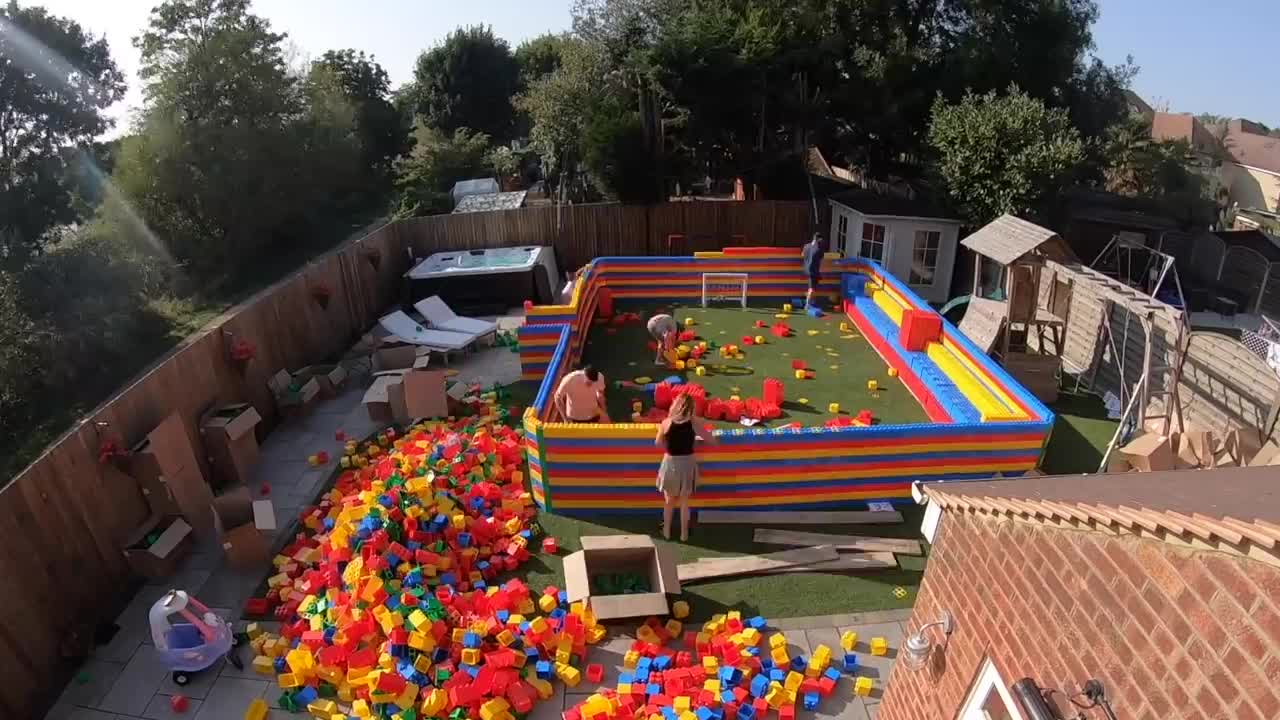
(1008, 238)
(1229, 505)
(1252, 149)
(491, 201)
(473, 187)
(869, 202)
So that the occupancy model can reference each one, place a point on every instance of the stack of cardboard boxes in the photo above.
(1193, 449)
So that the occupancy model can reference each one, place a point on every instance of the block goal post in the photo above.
(731, 287)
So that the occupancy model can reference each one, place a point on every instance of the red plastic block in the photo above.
(919, 328)
(595, 673)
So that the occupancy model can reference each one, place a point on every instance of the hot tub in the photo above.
(461, 278)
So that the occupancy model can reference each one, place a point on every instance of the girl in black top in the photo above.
(678, 475)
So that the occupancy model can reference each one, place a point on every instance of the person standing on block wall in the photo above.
(678, 474)
(812, 257)
(580, 396)
(662, 328)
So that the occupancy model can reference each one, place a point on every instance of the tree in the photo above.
(219, 167)
(438, 161)
(55, 81)
(382, 130)
(468, 81)
(1166, 171)
(539, 57)
(1002, 153)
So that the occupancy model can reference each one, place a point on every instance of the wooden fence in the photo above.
(63, 519)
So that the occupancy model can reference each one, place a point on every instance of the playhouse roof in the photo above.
(484, 202)
(1008, 238)
(1228, 505)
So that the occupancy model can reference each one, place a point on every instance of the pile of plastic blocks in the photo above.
(727, 671)
(389, 603)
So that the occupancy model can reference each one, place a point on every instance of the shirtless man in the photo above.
(580, 396)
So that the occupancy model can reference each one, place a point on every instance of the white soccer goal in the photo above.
(724, 286)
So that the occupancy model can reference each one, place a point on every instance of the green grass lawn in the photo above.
(783, 595)
(843, 362)
(1080, 435)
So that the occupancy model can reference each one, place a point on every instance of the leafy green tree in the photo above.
(468, 81)
(439, 160)
(616, 158)
(561, 107)
(55, 81)
(219, 165)
(382, 129)
(539, 56)
(1002, 153)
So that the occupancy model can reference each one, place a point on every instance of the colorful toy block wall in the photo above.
(983, 421)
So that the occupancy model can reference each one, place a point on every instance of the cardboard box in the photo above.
(377, 399)
(172, 541)
(1148, 452)
(1268, 455)
(424, 394)
(329, 377)
(245, 528)
(1194, 449)
(622, 554)
(170, 477)
(395, 356)
(230, 442)
(293, 396)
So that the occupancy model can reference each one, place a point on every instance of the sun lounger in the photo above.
(442, 317)
(405, 328)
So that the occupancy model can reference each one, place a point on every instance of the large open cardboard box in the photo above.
(621, 554)
(329, 377)
(173, 540)
(165, 466)
(293, 395)
(229, 439)
(245, 528)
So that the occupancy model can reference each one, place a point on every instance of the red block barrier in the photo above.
(919, 328)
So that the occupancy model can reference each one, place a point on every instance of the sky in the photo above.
(1195, 56)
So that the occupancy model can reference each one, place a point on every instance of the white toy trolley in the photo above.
(191, 646)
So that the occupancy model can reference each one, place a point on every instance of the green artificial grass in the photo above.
(1081, 432)
(773, 596)
(843, 362)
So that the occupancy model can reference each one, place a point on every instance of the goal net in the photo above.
(731, 287)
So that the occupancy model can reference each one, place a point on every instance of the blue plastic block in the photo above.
(306, 695)
(626, 678)
(726, 696)
(777, 675)
(747, 711)
(471, 640)
(662, 662)
(543, 670)
(850, 663)
(644, 664)
(503, 616)
(810, 701)
(831, 674)
(799, 663)
(279, 665)
(704, 713)
(759, 685)
(653, 689)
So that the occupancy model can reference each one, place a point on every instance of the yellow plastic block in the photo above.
(681, 703)
(423, 663)
(547, 603)
(674, 627)
(630, 659)
(879, 646)
(544, 688)
(751, 636)
(422, 642)
(624, 688)
(822, 653)
(710, 664)
(257, 710)
(863, 686)
(253, 630)
(417, 619)
(506, 637)
(323, 709)
(470, 656)
(779, 656)
(849, 640)
(434, 702)
(777, 640)
(800, 374)
(792, 681)
(360, 708)
(300, 661)
(833, 407)
(289, 680)
(596, 633)
(775, 696)
(264, 665)
(872, 385)
(569, 674)
(538, 625)
(711, 684)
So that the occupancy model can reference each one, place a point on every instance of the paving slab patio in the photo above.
(124, 679)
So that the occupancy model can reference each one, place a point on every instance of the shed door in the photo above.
(840, 224)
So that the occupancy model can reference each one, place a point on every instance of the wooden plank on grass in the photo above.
(799, 517)
(844, 563)
(904, 546)
(705, 568)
